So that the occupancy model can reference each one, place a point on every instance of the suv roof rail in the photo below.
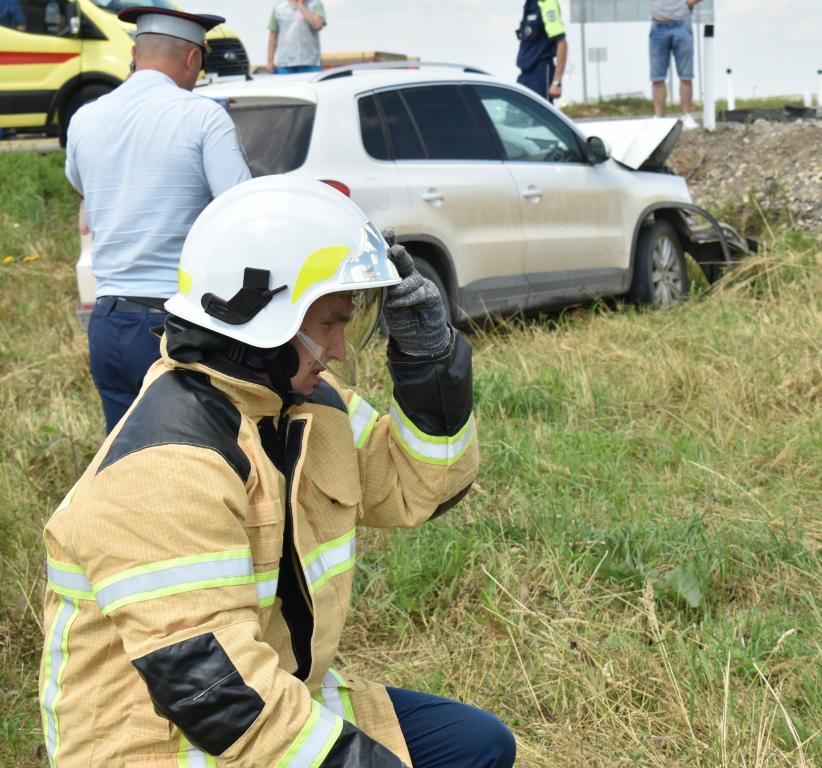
(349, 69)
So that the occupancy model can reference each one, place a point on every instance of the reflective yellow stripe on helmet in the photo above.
(320, 265)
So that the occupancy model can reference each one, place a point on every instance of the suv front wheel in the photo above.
(660, 271)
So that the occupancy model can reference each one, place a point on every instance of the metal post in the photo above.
(709, 105)
(700, 63)
(730, 81)
(584, 53)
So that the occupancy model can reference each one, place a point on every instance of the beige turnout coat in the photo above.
(200, 571)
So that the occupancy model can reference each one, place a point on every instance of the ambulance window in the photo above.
(40, 17)
(115, 6)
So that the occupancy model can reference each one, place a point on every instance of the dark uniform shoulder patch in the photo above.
(325, 394)
(182, 408)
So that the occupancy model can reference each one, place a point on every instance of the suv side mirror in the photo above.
(598, 151)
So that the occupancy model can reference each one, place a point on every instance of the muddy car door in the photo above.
(462, 194)
(571, 210)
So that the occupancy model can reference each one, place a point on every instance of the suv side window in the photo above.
(446, 123)
(405, 139)
(528, 131)
(373, 137)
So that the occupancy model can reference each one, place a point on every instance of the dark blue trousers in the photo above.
(539, 78)
(441, 733)
(121, 349)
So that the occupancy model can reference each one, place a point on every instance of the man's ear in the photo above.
(191, 59)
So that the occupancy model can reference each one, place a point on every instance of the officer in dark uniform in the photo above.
(542, 40)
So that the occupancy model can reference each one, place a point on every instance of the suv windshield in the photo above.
(115, 6)
(275, 136)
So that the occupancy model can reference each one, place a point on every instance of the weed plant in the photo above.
(634, 579)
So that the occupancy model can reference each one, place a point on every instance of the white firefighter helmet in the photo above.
(261, 253)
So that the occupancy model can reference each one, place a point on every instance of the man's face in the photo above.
(324, 324)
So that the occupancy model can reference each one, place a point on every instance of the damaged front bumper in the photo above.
(714, 245)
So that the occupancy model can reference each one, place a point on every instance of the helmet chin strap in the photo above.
(189, 343)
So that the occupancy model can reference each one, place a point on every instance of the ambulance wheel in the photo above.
(75, 101)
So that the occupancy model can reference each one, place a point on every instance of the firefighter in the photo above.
(200, 571)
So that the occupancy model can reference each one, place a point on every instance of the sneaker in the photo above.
(688, 123)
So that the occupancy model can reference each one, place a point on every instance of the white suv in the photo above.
(500, 198)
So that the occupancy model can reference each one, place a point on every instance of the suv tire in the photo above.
(77, 99)
(427, 271)
(660, 271)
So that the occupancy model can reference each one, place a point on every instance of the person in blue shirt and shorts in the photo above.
(672, 32)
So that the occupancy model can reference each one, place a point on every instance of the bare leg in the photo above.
(658, 90)
(686, 95)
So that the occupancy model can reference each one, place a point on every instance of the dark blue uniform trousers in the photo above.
(539, 77)
(121, 349)
(447, 734)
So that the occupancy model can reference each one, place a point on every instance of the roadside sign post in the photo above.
(597, 56)
(730, 81)
(709, 103)
(584, 69)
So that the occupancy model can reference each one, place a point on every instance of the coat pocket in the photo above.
(264, 527)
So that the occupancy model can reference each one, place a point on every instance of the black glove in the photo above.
(413, 309)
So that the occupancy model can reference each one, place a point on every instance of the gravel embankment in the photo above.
(768, 166)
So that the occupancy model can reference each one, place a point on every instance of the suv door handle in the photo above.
(532, 193)
(433, 196)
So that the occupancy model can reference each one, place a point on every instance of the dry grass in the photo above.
(634, 580)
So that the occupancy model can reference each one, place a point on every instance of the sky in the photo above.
(773, 46)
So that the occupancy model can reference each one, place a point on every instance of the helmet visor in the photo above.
(366, 305)
(371, 264)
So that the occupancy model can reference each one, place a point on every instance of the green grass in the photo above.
(634, 579)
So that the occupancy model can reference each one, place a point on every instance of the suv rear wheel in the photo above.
(660, 270)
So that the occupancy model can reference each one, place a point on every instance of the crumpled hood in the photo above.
(642, 145)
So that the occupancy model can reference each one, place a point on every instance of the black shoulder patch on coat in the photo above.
(195, 685)
(182, 408)
(325, 394)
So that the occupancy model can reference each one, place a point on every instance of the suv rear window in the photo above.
(275, 136)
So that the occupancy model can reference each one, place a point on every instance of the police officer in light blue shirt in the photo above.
(147, 158)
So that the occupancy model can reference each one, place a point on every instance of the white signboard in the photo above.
(590, 11)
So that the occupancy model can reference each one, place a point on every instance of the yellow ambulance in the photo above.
(56, 55)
